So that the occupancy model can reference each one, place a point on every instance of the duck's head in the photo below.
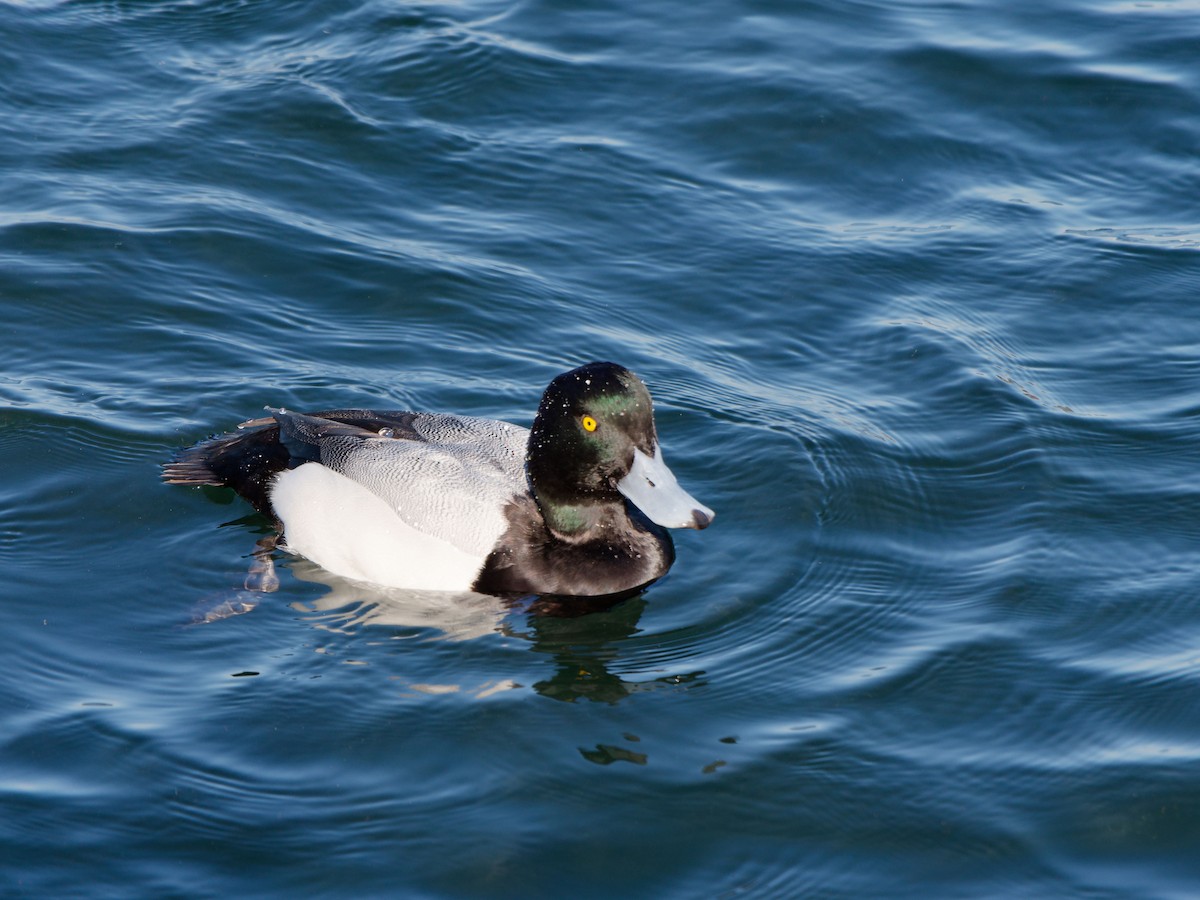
(593, 442)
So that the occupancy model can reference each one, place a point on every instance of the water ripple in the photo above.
(912, 287)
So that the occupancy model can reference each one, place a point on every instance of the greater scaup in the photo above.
(577, 506)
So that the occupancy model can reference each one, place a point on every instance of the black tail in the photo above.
(191, 466)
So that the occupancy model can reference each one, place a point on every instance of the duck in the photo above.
(578, 505)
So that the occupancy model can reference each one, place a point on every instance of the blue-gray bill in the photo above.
(652, 488)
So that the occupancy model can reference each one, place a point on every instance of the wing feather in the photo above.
(447, 476)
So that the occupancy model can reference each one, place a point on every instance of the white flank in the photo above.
(347, 530)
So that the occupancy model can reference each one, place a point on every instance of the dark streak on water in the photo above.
(914, 285)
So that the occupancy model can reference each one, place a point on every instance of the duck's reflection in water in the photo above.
(583, 647)
(350, 605)
(584, 637)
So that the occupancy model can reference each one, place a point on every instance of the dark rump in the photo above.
(243, 460)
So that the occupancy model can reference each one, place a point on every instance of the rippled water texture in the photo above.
(914, 286)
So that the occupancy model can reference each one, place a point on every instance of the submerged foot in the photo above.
(260, 579)
(224, 606)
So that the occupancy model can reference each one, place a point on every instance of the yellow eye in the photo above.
(589, 424)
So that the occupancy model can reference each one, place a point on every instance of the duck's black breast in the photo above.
(628, 554)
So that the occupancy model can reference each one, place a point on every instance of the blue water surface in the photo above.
(914, 286)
